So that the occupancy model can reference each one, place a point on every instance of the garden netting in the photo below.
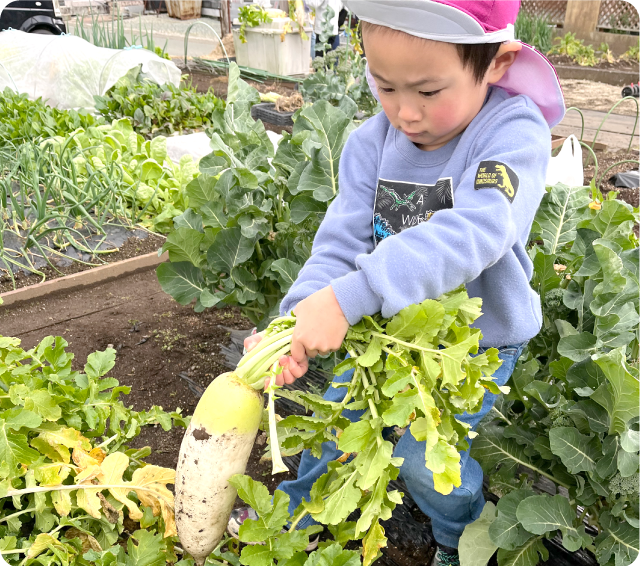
(67, 71)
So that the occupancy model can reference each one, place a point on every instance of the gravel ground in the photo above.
(172, 26)
(595, 96)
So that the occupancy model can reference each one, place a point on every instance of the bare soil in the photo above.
(133, 247)
(605, 160)
(595, 96)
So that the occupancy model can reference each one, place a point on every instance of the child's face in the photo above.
(424, 90)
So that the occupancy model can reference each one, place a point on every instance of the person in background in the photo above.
(321, 6)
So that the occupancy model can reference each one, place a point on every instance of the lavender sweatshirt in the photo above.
(409, 225)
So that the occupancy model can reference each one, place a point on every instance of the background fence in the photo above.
(553, 10)
(618, 16)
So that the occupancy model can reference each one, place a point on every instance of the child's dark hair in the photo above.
(477, 57)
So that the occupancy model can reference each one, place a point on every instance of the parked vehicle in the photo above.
(39, 16)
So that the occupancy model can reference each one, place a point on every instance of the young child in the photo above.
(438, 190)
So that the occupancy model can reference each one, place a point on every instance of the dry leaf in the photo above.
(110, 511)
(88, 541)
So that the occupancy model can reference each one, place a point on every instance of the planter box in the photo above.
(184, 9)
(266, 51)
(608, 76)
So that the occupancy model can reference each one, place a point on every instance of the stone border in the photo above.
(612, 77)
(84, 278)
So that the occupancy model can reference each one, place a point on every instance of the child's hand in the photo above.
(320, 329)
(251, 342)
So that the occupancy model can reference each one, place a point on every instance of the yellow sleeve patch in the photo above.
(496, 175)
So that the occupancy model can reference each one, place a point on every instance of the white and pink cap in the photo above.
(472, 22)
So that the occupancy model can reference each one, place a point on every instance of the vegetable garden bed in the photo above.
(239, 231)
(131, 248)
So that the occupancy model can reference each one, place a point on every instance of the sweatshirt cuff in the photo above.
(355, 296)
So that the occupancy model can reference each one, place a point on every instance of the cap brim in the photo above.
(534, 75)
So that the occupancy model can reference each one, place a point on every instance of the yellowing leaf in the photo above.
(43, 542)
(98, 454)
(62, 502)
(55, 453)
(84, 459)
(86, 475)
(372, 543)
(60, 439)
(112, 469)
(52, 474)
(69, 437)
(88, 500)
(444, 462)
(154, 478)
(169, 520)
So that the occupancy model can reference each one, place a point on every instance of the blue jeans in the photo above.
(449, 514)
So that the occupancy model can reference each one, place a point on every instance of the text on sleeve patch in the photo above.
(496, 175)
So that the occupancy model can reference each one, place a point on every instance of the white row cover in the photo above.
(67, 71)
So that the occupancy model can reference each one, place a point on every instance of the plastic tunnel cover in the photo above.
(67, 71)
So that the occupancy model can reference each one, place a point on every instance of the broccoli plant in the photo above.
(252, 215)
(572, 413)
(619, 485)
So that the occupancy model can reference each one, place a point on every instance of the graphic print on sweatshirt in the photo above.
(401, 205)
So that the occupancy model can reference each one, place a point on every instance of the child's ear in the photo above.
(502, 61)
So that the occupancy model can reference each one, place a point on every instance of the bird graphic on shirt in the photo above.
(386, 197)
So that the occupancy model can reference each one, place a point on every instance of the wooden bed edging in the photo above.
(84, 278)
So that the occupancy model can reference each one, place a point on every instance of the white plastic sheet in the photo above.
(67, 71)
(197, 145)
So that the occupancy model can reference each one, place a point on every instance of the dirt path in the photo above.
(595, 96)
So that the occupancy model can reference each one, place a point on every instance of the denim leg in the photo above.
(450, 514)
(311, 468)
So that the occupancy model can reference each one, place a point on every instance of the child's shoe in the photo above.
(446, 556)
(239, 516)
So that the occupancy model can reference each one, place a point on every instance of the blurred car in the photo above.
(33, 16)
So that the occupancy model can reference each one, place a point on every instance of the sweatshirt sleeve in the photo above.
(456, 245)
(346, 230)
